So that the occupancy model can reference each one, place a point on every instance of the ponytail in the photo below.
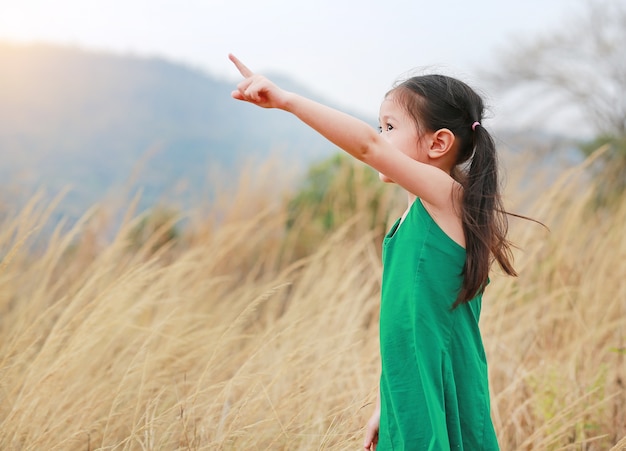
(484, 220)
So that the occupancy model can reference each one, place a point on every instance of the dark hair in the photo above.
(439, 101)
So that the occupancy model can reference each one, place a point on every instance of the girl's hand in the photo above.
(371, 431)
(257, 89)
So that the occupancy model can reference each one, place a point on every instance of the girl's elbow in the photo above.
(369, 149)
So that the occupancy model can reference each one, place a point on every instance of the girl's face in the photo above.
(397, 127)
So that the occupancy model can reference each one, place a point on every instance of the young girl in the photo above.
(434, 392)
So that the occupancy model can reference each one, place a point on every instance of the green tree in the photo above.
(334, 191)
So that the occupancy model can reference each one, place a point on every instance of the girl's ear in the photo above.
(441, 142)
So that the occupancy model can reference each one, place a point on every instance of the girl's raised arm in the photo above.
(350, 134)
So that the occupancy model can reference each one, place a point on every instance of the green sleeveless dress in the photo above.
(434, 391)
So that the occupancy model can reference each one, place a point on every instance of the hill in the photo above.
(97, 121)
(106, 124)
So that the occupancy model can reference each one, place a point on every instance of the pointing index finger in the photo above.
(243, 70)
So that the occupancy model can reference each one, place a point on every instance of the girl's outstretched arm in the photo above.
(350, 134)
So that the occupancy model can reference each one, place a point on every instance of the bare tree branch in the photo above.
(583, 64)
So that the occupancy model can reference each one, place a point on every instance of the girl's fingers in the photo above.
(248, 90)
(237, 95)
(243, 70)
(245, 84)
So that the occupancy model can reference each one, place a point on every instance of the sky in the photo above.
(349, 52)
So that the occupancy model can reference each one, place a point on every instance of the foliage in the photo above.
(333, 192)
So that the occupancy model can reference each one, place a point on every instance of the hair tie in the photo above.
(474, 125)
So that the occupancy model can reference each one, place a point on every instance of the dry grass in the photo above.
(227, 341)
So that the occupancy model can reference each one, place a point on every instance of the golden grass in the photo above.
(229, 341)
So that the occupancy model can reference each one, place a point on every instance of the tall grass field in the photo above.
(257, 329)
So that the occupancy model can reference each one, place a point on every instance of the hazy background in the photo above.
(113, 97)
(347, 51)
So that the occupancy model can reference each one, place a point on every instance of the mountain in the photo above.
(97, 121)
(103, 123)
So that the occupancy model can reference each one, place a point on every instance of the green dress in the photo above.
(434, 391)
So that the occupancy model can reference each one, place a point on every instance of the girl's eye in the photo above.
(387, 128)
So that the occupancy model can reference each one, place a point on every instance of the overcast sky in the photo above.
(348, 51)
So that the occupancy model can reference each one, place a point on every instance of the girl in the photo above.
(434, 392)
